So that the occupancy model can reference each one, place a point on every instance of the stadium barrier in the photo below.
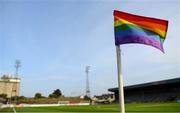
(44, 105)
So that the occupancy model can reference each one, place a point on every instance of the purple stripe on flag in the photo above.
(140, 40)
(137, 32)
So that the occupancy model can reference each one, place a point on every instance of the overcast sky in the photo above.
(56, 39)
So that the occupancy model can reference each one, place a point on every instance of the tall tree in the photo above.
(38, 95)
(56, 94)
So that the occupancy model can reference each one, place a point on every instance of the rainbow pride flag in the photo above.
(131, 28)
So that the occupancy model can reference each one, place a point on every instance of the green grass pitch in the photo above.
(112, 108)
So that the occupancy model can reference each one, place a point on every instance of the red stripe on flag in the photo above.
(133, 17)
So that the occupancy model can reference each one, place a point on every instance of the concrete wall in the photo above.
(10, 86)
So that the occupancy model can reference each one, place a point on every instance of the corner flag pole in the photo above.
(120, 80)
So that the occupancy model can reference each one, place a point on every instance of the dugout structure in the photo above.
(158, 91)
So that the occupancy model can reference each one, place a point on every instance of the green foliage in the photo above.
(51, 96)
(87, 98)
(18, 97)
(56, 94)
(4, 96)
(21, 97)
(38, 95)
(14, 98)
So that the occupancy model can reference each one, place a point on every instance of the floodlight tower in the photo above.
(17, 66)
(15, 85)
(87, 81)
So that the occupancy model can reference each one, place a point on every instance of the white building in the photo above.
(9, 85)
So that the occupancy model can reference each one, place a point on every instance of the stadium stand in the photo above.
(159, 91)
